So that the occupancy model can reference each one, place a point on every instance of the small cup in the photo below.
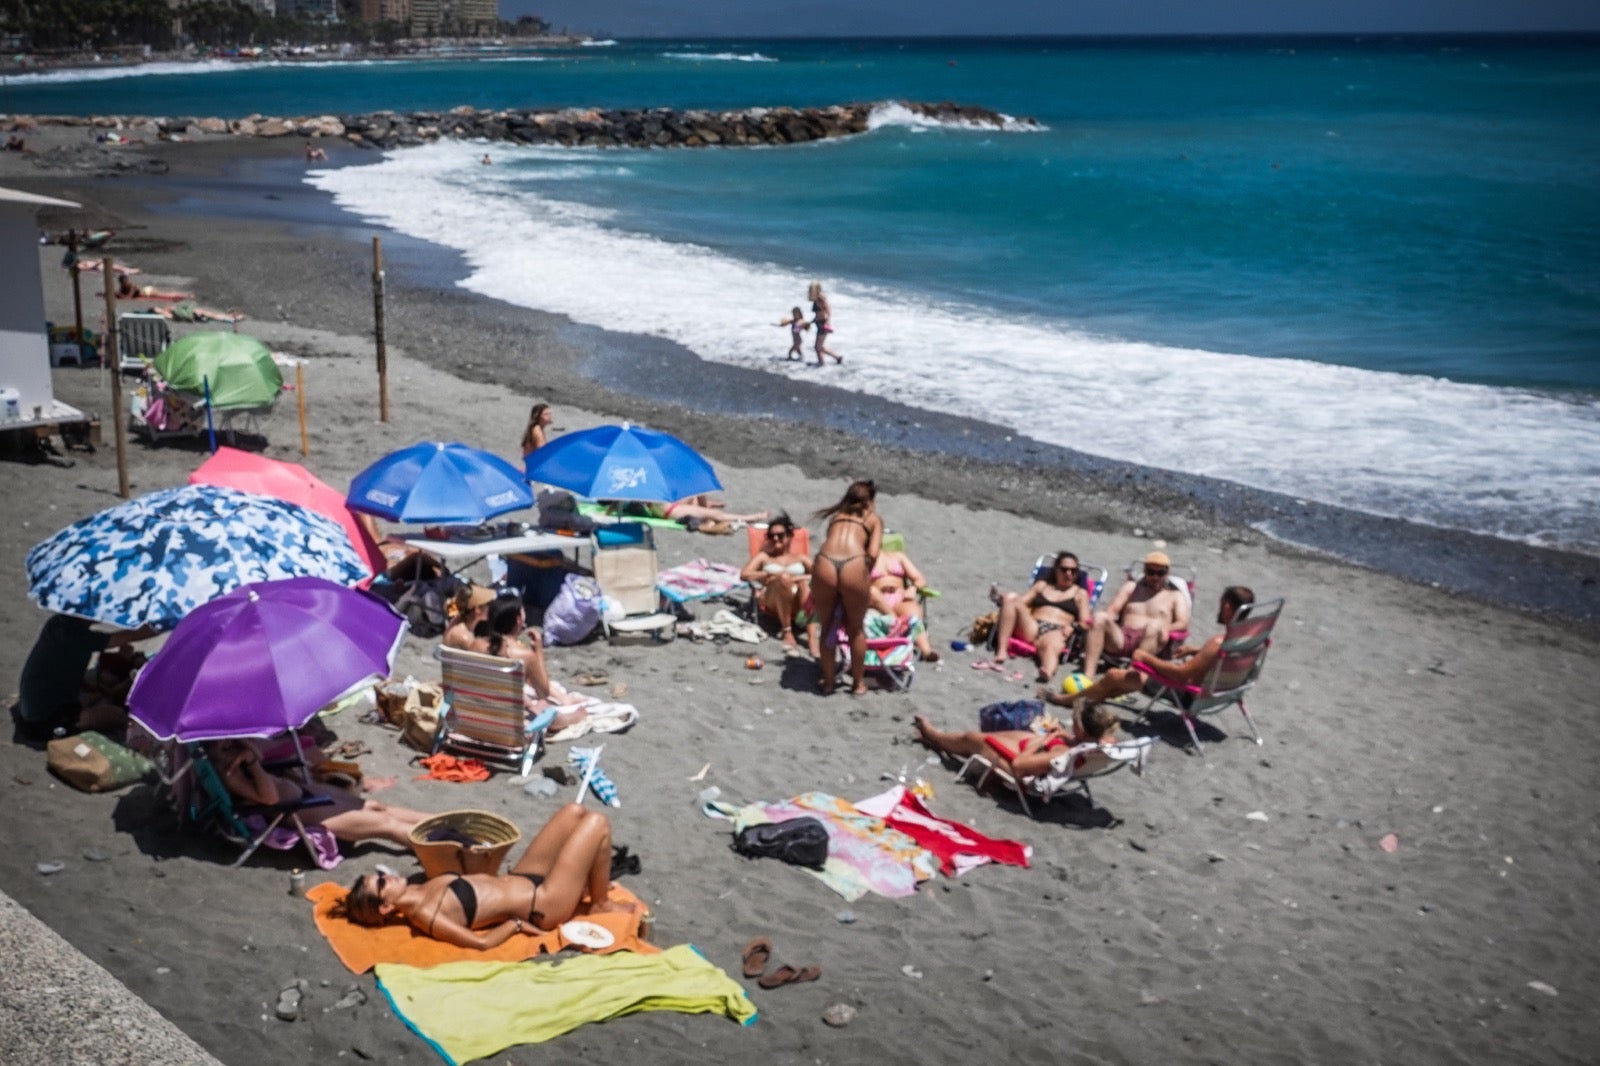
(297, 883)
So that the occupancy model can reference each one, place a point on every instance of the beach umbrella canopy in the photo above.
(263, 659)
(239, 368)
(249, 472)
(435, 482)
(622, 463)
(156, 558)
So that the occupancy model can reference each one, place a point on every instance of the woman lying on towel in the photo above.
(348, 817)
(127, 290)
(700, 514)
(504, 631)
(1022, 751)
(568, 862)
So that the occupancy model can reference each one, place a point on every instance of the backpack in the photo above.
(575, 611)
(422, 601)
(799, 841)
(1011, 714)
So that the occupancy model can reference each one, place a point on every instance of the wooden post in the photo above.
(118, 415)
(300, 399)
(77, 291)
(377, 318)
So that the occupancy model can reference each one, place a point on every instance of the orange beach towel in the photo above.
(362, 947)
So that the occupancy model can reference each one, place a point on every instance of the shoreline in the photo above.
(749, 416)
(1238, 907)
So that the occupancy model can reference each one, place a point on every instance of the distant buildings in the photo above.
(398, 11)
(310, 10)
(444, 18)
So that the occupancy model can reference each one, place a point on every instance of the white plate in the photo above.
(587, 935)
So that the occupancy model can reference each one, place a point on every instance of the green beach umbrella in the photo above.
(239, 368)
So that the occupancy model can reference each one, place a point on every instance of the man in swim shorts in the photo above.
(1141, 617)
(1187, 666)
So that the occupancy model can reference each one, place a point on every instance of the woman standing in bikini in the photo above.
(823, 320)
(841, 576)
(1045, 616)
(568, 862)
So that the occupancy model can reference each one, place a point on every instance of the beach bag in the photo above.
(399, 699)
(559, 510)
(423, 602)
(799, 842)
(1010, 714)
(575, 611)
(420, 726)
(982, 626)
(90, 762)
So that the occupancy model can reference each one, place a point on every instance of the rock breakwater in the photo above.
(570, 127)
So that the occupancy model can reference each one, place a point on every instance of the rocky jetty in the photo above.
(570, 127)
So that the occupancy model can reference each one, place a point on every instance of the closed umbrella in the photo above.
(249, 472)
(238, 368)
(263, 659)
(439, 483)
(156, 558)
(622, 463)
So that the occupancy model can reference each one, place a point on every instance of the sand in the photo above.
(1172, 923)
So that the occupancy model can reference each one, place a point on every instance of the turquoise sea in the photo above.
(1364, 272)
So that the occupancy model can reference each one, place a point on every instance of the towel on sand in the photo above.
(698, 579)
(470, 1010)
(360, 947)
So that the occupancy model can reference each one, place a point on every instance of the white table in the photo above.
(460, 554)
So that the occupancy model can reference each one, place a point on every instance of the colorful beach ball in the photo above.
(1073, 684)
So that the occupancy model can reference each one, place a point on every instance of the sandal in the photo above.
(590, 680)
(788, 975)
(756, 955)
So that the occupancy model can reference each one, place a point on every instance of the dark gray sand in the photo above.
(1235, 907)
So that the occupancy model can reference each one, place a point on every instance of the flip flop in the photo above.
(756, 955)
(985, 664)
(788, 975)
(590, 680)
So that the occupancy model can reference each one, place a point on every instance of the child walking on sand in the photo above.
(797, 327)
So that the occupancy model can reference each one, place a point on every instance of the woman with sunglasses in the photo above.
(1045, 616)
(567, 863)
(782, 577)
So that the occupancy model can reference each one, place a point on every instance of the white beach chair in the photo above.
(1070, 771)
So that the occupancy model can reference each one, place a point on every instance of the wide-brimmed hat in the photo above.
(1157, 559)
(471, 597)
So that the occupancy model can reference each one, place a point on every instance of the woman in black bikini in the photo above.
(823, 320)
(1045, 615)
(568, 862)
(841, 576)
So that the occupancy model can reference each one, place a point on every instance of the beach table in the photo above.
(463, 553)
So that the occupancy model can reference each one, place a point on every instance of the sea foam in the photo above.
(1508, 462)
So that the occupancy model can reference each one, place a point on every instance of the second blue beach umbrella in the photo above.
(622, 463)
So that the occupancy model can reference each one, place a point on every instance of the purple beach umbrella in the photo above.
(263, 659)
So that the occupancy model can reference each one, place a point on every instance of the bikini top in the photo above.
(467, 896)
(779, 568)
(1066, 606)
(896, 569)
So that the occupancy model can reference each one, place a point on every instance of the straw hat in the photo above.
(471, 597)
(1157, 559)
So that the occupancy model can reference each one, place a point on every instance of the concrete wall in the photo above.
(24, 347)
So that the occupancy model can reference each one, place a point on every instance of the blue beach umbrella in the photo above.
(434, 482)
(622, 463)
(154, 559)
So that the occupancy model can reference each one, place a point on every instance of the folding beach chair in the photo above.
(484, 714)
(1070, 771)
(1244, 653)
(891, 651)
(141, 336)
(197, 793)
(626, 570)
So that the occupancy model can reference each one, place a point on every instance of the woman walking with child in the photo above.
(823, 320)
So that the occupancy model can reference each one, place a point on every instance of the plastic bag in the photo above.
(575, 612)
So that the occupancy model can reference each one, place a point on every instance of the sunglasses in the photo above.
(1065, 569)
(778, 534)
(1156, 571)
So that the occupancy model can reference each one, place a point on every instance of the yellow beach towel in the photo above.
(469, 1010)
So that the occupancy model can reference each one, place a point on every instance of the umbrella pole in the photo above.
(77, 293)
(118, 415)
(300, 398)
(211, 430)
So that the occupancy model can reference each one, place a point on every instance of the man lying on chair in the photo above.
(1022, 752)
(1188, 665)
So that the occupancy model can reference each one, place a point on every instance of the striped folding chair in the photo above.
(484, 714)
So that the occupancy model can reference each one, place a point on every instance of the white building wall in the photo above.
(24, 346)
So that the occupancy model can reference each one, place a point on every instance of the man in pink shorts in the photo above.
(1143, 615)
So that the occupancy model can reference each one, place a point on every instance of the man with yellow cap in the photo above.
(1143, 615)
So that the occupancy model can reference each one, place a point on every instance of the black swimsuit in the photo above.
(467, 896)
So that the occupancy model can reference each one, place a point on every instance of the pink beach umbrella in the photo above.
(249, 472)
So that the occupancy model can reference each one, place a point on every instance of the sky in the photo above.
(905, 18)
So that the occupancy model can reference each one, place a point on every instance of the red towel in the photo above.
(443, 767)
(959, 847)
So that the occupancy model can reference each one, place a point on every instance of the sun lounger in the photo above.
(1070, 771)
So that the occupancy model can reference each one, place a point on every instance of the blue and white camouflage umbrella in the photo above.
(154, 559)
